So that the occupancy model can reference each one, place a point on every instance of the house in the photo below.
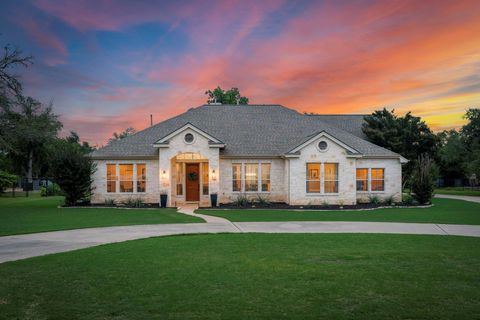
(251, 150)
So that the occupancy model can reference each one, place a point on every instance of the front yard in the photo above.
(444, 211)
(458, 191)
(241, 276)
(36, 214)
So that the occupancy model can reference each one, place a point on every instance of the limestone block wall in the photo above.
(278, 188)
(178, 145)
(100, 193)
(393, 178)
(346, 175)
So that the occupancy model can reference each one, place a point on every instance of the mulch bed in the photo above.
(282, 205)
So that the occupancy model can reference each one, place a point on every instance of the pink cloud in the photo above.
(327, 59)
(56, 51)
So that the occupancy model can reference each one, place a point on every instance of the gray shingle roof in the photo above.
(351, 123)
(246, 130)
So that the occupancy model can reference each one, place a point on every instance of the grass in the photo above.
(458, 191)
(257, 276)
(36, 214)
(444, 211)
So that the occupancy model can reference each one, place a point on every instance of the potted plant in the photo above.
(213, 199)
(163, 200)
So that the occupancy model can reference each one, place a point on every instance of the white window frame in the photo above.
(134, 179)
(259, 176)
(241, 177)
(322, 179)
(369, 182)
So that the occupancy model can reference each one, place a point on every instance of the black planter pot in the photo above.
(213, 200)
(163, 200)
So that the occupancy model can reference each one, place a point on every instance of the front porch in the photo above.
(190, 179)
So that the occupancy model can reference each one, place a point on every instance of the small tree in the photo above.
(125, 133)
(422, 182)
(6, 180)
(232, 96)
(72, 170)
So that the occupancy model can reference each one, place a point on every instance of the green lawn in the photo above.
(251, 276)
(36, 214)
(458, 191)
(443, 211)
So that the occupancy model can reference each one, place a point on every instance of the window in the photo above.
(141, 177)
(237, 177)
(126, 177)
(180, 178)
(362, 179)
(251, 177)
(111, 177)
(205, 178)
(265, 177)
(378, 179)
(188, 138)
(331, 177)
(313, 177)
(322, 145)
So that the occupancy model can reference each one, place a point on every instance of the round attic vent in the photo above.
(322, 145)
(188, 138)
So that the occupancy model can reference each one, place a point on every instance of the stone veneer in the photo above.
(287, 176)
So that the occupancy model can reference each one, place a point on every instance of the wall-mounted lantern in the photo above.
(214, 176)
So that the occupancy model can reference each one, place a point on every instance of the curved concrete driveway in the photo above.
(464, 198)
(38, 244)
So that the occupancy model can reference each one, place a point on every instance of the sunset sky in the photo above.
(108, 65)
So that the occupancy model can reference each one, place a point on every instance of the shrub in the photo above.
(407, 199)
(110, 202)
(389, 200)
(373, 199)
(363, 200)
(73, 171)
(52, 189)
(134, 203)
(241, 200)
(263, 200)
(422, 182)
(324, 204)
(6, 180)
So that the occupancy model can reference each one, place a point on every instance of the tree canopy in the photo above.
(125, 133)
(407, 135)
(232, 96)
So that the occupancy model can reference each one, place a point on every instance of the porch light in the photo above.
(164, 175)
(213, 175)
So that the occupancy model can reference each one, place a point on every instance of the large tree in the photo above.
(85, 147)
(407, 135)
(452, 158)
(232, 96)
(26, 127)
(471, 137)
(11, 58)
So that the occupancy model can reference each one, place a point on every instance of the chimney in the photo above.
(151, 120)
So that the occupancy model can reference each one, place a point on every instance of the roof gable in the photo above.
(165, 139)
(245, 130)
(319, 135)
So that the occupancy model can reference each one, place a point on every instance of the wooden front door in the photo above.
(192, 183)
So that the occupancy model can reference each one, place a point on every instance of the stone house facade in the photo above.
(266, 151)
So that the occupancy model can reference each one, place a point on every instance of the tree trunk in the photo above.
(30, 167)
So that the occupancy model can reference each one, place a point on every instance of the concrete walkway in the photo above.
(38, 244)
(464, 198)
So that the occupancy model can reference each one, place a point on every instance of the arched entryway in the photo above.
(190, 177)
